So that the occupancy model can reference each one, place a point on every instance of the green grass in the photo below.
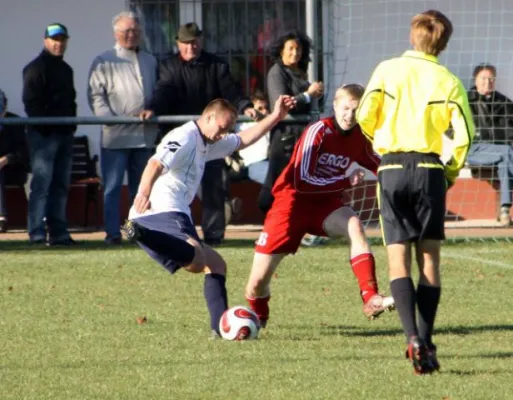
(68, 329)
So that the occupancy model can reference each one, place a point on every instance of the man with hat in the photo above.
(189, 80)
(49, 91)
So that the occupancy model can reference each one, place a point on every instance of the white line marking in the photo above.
(477, 260)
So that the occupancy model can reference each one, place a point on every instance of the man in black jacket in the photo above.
(189, 80)
(13, 157)
(49, 91)
(493, 118)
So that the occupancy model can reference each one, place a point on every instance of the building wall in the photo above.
(22, 23)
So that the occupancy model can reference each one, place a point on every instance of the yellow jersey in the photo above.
(408, 105)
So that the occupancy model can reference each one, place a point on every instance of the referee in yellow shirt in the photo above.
(408, 104)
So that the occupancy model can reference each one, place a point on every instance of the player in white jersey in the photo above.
(160, 218)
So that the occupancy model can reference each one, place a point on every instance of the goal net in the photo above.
(362, 33)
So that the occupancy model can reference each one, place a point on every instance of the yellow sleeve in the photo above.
(463, 127)
(369, 111)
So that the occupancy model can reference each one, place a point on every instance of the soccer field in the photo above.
(69, 329)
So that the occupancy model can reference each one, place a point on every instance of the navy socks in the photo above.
(216, 297)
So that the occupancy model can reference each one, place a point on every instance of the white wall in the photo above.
(22, 24)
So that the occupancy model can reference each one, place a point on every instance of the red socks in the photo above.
(260, 305)
(364, 269)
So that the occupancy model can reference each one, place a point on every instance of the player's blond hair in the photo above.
(220, 106)
(430, 32)
(353, 90)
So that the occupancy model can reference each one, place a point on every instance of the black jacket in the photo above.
(186, 87)
(49, 91)
(282, 80)
(13, 145)
(493, 117)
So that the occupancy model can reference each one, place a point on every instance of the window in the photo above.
(160, 20)
(239, 31)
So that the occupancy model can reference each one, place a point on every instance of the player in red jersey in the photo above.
(308, 200)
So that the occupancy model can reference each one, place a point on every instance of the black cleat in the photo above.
(417, 353)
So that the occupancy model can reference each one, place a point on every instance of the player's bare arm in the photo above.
(152, 171)
(281, 108)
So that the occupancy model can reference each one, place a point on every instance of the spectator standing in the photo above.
(189, 81)
(493, 118)
(288, 76)
(49, 91)
(121, 82)
(13, 157)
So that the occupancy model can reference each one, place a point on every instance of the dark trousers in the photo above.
(50, 161)
(281, 148)
(3, 209)
(214, 193)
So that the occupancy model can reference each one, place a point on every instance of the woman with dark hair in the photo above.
(291, 55)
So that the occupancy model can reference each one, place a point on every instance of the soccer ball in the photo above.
(239, 323)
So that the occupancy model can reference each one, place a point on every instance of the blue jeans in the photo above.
(50, 160)
(500, 155)
(114, 163)
(258, 171)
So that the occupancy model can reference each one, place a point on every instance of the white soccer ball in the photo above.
(239, 323)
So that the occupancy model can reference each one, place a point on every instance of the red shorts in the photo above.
(286, 223)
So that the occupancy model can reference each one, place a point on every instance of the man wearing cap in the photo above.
(13, 157)
(49, 91)
(121, 82)
(189, 80)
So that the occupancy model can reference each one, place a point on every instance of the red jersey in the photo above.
(320, 162)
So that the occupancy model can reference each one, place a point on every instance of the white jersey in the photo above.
(183, 153)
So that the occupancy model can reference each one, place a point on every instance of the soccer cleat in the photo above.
(263, 323)
(417, 353)
(433, 360)
(131, 230)
(377, 305)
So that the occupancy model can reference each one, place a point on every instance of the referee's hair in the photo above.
(220, 105)
(430, 32)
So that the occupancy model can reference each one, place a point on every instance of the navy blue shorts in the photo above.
(176, 224)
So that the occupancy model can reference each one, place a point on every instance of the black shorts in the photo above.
(176, 224)
(411, 197)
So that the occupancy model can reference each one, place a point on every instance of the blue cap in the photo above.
(56, 29)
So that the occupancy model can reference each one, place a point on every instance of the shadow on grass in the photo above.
(344, 330)
(99, 245)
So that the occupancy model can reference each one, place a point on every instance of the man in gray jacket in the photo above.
(121, 82)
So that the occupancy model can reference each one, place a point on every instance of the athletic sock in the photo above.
(214, 291)
(403, 292)
(428, 298)
(260, 305)
(364, 268)
(176, 249)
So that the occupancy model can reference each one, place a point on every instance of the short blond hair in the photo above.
(430, 32)
(220, 106)
(353, 90)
